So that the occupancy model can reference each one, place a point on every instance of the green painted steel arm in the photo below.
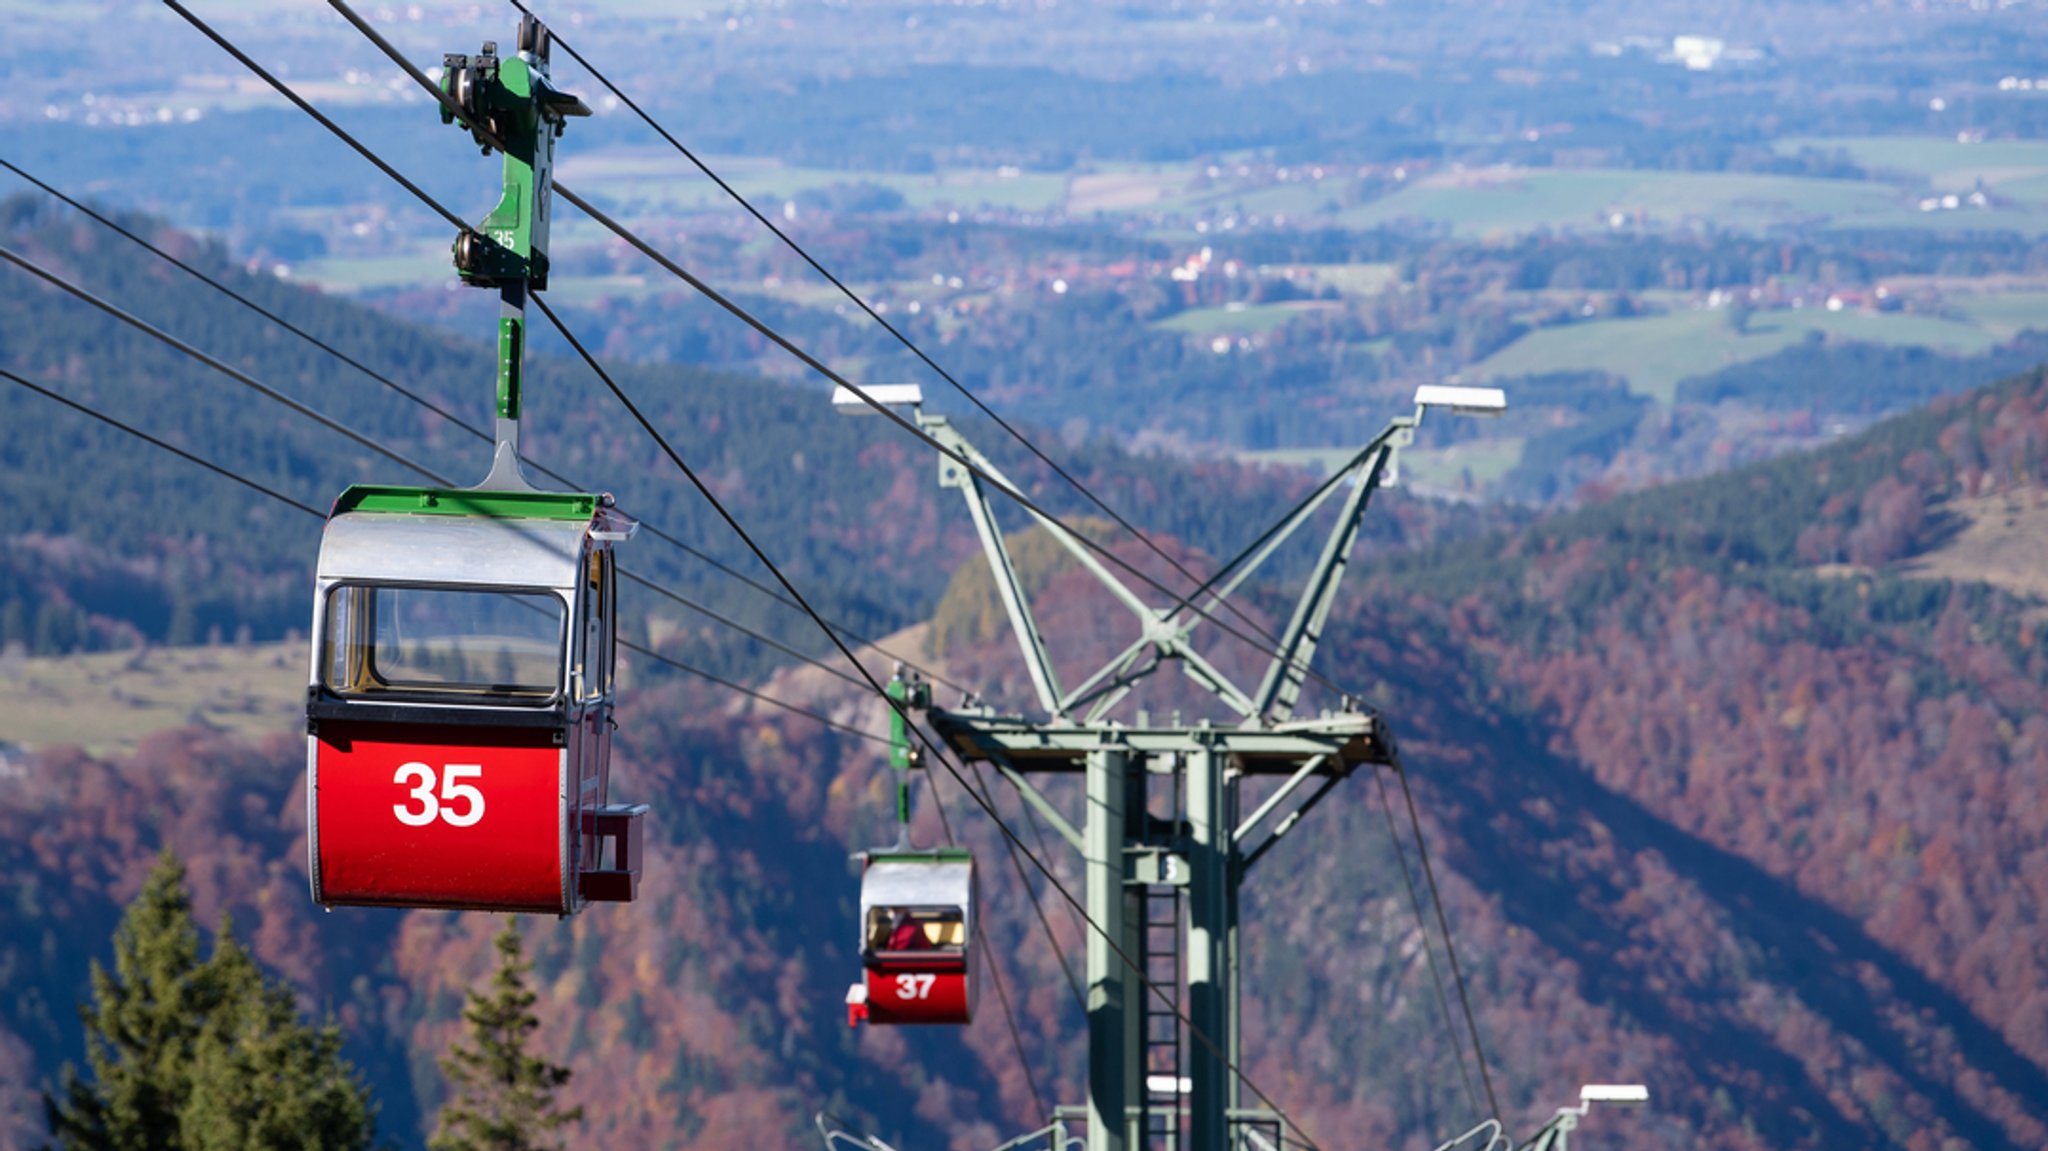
(1044, 679)
(510, 103)
(904, 754)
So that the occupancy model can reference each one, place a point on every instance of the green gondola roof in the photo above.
(464, 502)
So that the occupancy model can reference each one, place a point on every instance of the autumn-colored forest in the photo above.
(1725, 798)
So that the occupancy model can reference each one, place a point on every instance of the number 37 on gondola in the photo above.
(917, 935)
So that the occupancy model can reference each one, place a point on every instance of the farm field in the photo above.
(1654, 353)
(429, 266)
(1319, 460)
(656, 179)
(2032, 188)
(1471, 464)
(2013, 172)
(1127, 188)
(2003, 541)
(1237, 320)
(1504, 200)
(1475, 202)
(2027, 220)
(258, 689)
(1463, 466)
(419, 267)
(1945, 163)
(2005, 314)
(1304, 198)
(1348, 279)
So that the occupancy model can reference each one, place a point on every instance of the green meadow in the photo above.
(1654, 353)
(1494, 201)
(656, 179)
(1249, 320)
(1945, 163)
(1475, 463)
(2005, 314)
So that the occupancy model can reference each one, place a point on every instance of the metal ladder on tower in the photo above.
(1165, 1086)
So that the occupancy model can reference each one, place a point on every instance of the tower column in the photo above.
(1211, 933)
(1110, 1006)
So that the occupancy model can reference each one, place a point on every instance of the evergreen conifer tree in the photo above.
(192, 1055)
(504, 1098)
(264, 1078)
(141, 1026)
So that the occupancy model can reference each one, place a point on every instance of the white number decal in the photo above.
(915, 986)
(451, 791)
(429, 806)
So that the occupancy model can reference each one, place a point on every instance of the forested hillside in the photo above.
(113, 543)
(1782, 799)
(1724, 799)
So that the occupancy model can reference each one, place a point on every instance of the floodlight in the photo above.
(1614, 1093)
(849, 401)
(1467, 401)
(1553, 1135)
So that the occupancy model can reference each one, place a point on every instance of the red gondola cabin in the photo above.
(917, 931)
(460, 710)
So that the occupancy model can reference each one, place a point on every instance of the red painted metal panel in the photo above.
(619, 826)
(424, 816)
(918, 992)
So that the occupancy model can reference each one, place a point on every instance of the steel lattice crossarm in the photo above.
(1318, 752)
(1165, 635)
(1334, 744)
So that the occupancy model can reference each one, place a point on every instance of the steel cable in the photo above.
(733, 308)
(300, 505)
(996, 970)
(1436, 978)
(808, 360)
(933, 749)
(877, 317)
(486, 437)
(1444, 925)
